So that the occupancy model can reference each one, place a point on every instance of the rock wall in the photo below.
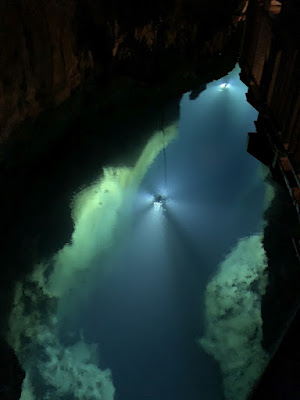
(48, 48)
(270, 68)
(40, 60)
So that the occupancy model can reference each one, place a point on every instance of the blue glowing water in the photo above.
(147, 310)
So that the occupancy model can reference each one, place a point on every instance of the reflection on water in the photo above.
(118, 311)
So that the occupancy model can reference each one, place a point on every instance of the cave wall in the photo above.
(270, 68)
(49, 48)
(40, 59)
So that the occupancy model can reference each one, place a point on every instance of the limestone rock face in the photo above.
(48, 48)
(40, 61)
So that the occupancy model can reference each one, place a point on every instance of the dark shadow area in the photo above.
(281, 379)
(11, 373)
(283, 290)
(195, 93)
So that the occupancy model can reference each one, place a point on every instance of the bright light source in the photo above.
(224, 85)
(159, 202)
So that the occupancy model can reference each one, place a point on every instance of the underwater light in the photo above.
(159, 202)
(224, 85)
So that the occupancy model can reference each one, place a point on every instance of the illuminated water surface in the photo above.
(142, 299)
(146, 310)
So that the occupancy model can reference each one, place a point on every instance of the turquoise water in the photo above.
(149, 311)
(140, 292)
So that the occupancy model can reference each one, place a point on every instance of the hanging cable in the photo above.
(164, 148)
(159, 201)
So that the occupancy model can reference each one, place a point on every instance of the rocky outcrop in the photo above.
(48, 48)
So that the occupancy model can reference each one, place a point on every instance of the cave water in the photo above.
(157, 295)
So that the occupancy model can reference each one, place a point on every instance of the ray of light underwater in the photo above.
(157, 295)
